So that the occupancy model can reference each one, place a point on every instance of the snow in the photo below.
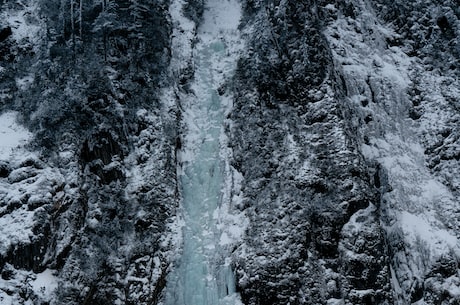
(414, 188)
(330, 7)
(12, 135)
(23, 198)
(42, 285)
(392, 69)
(182, 37)
(417, 206)
(16, 228)
(23, 192)
(24, 25)
(45, 283)
(24, 82)
(223, 16)
(419, 230)
(335, 302)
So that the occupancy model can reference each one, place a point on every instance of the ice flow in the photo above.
(202, 276)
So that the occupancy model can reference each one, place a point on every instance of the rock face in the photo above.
(87, 202)
(343, 141)
(333, 131)
(305, 177)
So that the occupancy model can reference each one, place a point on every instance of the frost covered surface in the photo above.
(303, 175)
(21, 20)
(377, 234)
(399, 123)
(84, 206)
(12, 135)
(334, 130)
(27, 188)
(202, 274)
(45, 283)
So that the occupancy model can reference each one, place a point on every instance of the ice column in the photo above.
(202, 276)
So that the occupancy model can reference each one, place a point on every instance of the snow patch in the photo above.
(182, 37)
(12, 135)
(45, 283)
(24, 25)
(418, 210)
(335, 302)
(221, 16)
(24, 82)
(419, 230)
(16, 228)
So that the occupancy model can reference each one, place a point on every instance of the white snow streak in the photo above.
(418, 208)
(12, 135)
(45, 283)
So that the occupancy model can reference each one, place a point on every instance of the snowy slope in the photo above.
(417, 209)
(26, 185)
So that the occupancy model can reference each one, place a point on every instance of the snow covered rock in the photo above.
(339, 147)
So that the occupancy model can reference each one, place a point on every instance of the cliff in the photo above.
(339, 150)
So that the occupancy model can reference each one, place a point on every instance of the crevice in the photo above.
(371, 89)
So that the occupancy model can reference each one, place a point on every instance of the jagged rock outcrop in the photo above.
(97, 195)
(304, 174)
(327, 95)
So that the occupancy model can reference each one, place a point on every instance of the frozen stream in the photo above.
(202, 276)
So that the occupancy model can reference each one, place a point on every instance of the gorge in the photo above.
(257, 152)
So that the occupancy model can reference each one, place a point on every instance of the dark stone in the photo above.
(5, 33)
(445, 133)
(142, 225)
(104, 148)
(416, 292)
(30, 162)
(318, 118)
(28, 256)
(326, 228)
(319, 187)
(35, 204)
(106, 175)
(445, 266)
(178, 144)
(443, 23)
(7, 274)
(5, 170)
(394, 42)
(348, 9)
(414, 114)
(62, 256)
(221, 90)
(356, 205)
(159, 287)
(57, 51)
(377, 179)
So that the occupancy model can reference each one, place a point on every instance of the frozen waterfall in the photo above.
(202, 276)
